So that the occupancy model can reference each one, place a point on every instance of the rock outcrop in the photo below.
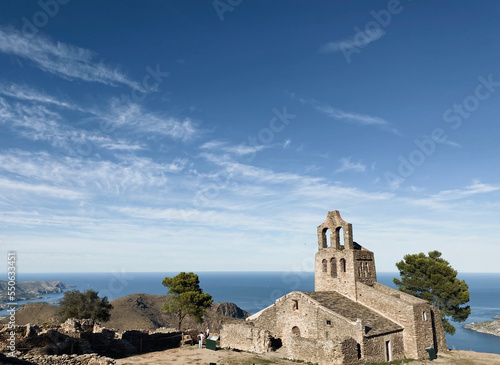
(489, 327)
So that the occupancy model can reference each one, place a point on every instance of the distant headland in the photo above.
(26, 290)
(489, 327)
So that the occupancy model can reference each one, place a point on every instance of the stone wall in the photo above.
(308, 332)
(349, 268)
(246, 337)
(324, 352)
(407, 311)
(374, 348)
(310, 319)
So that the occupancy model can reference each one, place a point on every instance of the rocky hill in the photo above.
(143, 311)
(137, 312)
(32, 289)
(489, 327)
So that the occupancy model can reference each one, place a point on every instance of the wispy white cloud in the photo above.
(456, 194)
(352, 42)
(314, 188)
(132, 116)
(350, 117)
(348, 165)
(99, 176)
(447, 199)
(38, 123)
(38, 189)
(241, 149)
(24, 92)
(62, 59)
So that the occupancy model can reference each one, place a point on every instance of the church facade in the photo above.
(349, 318)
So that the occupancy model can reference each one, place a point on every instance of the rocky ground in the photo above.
(193, 356)
(137, 325)
(489, 327)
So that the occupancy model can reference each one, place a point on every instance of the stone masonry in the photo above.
(348, 319)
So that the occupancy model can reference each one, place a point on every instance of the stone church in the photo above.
(349, 318)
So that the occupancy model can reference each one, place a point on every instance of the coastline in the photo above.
(488, 327)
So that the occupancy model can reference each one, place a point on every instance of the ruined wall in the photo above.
(246, 337)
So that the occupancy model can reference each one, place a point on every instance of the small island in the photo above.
(489, 327)
(26, 290)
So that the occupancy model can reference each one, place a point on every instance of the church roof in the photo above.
(374, 323)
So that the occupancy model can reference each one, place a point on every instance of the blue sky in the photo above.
(216, 135)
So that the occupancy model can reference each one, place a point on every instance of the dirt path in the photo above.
(191, 355)
(194, 356)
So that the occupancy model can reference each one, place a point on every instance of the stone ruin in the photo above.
(82, 342)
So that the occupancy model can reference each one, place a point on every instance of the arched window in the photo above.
(333, 267)
(326, 238)
(340, 233)
(296, 331)
(342, 265)
(324, 263)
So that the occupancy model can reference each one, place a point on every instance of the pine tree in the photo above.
(433, 279)
(186, 297)
(84, 305)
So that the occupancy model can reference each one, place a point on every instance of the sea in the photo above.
(253, 291)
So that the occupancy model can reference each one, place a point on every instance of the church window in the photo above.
(424, 316)
(295, 305)
(333, 268)
(325, 265)
(296, 331)
(388, 351)
(328, 322)
(342, 265)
